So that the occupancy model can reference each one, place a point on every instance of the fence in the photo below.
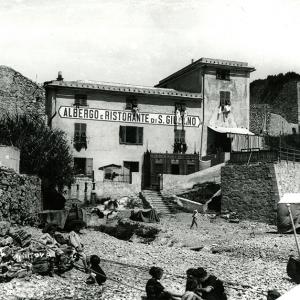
(242, 157)
(289, 154)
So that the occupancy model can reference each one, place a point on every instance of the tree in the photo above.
(43, 151)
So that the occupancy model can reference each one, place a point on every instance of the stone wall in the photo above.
(250, 191)
(19, 94)
(259, 117)
(20, 197)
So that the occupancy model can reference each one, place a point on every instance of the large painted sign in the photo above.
(85, 113)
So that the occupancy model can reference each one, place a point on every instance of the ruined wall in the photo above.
(250, 191)
(19, 94)
(20, 197)
(259, 117)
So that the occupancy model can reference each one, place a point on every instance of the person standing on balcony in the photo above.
(194, 219)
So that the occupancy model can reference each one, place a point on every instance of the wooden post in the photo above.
(294, 229)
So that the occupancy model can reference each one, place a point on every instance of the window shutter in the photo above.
(122, 134)
(140, 135)
(227, 100)
(89, 166)
(82, 129)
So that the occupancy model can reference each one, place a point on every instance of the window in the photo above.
(179, 136)
(80, 100)
(80, 136)
(83, 166)
(180, 106)
(131, 103)
(132, 166)
(131, 135)
(224, 98)
(223, 74)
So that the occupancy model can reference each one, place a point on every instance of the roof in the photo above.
(233, 130)
(220, 63)
(110, 166)
(122, 88)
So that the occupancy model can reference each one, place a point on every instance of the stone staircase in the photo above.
(158, 202)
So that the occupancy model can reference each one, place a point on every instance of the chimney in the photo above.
(192, 61)
(59, 76)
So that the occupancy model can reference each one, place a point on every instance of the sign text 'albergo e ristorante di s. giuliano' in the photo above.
(73, 112)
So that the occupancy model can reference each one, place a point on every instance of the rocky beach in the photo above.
(249, 257)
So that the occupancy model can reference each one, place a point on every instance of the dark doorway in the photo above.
(131, 166)
(175, 169)
(217, 142)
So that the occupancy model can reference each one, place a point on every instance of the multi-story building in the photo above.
(224, 85)
(116, 130)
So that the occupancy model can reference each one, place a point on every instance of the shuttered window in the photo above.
(80, 100)
(131, 135)
(224, 98)
(223, 74)
(83, 166)
(89, 167)
(179, 136)
(79, 132)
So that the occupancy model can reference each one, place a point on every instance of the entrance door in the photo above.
(131, 166)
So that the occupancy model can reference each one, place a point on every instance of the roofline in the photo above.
(150, 91)
(203, 62)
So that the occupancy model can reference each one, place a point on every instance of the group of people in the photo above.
(199, 285)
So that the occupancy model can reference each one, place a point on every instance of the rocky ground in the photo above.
(250, 257)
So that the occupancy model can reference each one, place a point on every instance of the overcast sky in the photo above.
(143, 41)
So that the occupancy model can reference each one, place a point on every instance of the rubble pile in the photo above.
(20, 197)
(18, 253)
(13, 251)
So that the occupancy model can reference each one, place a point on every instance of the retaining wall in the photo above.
(20, 197)
(251, 191)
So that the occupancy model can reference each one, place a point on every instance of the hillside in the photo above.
(279, 92)
(265, 91)
(19, 94)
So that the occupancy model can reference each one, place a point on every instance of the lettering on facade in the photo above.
(96, 114)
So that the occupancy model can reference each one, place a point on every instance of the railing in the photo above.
(243, 157)
(115, 177)
(289, 154)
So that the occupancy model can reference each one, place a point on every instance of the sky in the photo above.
(143, 41)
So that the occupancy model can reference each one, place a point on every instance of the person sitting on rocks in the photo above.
(212, 288)
(75, 242)
(53, 250)
(96, 272)
(192, 285)
(155, 290)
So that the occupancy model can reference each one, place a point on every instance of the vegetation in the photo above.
(266, 90)
(44, 151)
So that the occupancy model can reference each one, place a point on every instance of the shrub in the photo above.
(43, 151)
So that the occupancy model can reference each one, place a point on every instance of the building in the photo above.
(225, 87)
(121, 132)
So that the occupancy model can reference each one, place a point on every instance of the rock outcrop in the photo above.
(19, 94)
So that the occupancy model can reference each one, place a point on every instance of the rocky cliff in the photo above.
(19, 94)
